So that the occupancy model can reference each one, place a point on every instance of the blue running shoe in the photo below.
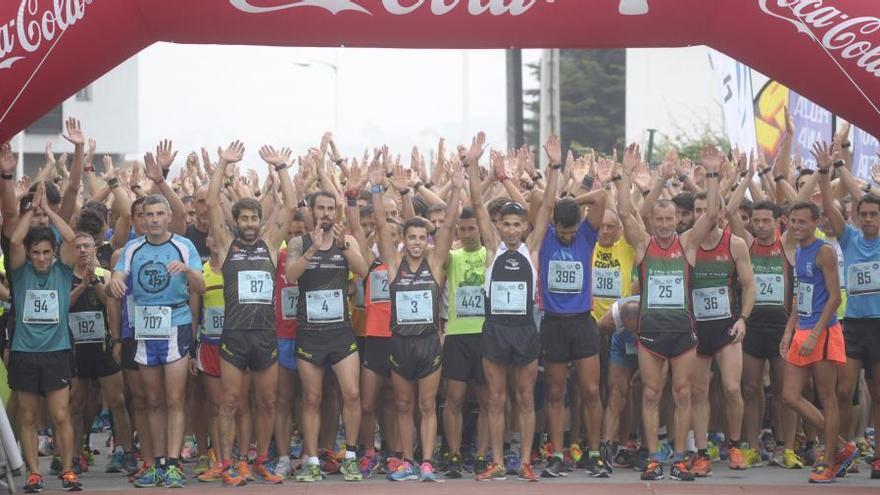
(151, 479)
(174, 478)
(404, 472)
(512, 463)
(427, 472)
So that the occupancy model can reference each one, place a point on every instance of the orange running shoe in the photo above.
(822, 474)
(265, 475)
(701, 466)
(214, 473)
(735, 459)
(244, 469)
(526, 473)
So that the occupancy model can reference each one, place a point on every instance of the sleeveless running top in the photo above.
(286, 300)
(773, 284)
(213, 305)
(415, 300)
(510, 287)
(323, 301)
(249, 297)
(465, 278)
(87, 319)
(566, 271)
(811, 291)
(665, 304)
(377, 300)
(715, 290)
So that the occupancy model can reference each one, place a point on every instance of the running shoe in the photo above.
(44, 445)
(404, 472)
(822, 474)
(865, 451)
(310, 473)
(679, 471)
(283, 467)
(854, 467)
(735, 459)
(701, 466)
(641, 459)
(174, 477)
(492, 472)
(115, 463)
(752, 457)
(392, 463)
(55, 466)
(511, 463)
(875, 468)
(653, 471)
(152, 478)
(214, 473)
(714, 452)
(664, 452)
(623, 459)
(34, 483)
(810, 453)
(230, 476)
(139, 473)
(264, 474)
(596, 467)
(526, 473)
(70, 482)
(554, 468)
(575, 452)
(129, 464)
(244, 469)
(453, 467)
(426, 472)
(189, 453)
(844, 458)
(350, 470)
(88, 456)
(480, 464)
(203, 464)
(790, 460)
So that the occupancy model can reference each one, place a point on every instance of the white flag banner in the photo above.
(735, 82)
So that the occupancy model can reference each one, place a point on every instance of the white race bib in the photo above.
(769, 289)
(41, 307)
(359, 296)
(414, 307)
(152, 322)
(509, 298)
(712, 303)
(805, 299)
(863, 279)
(213, 321)
(87, 327)
(289, 300)
(665, 291)
(324, 306)
(606, 282)
(565, 277)
(630, 348)
(379, 287)
(255, 287)
(469, 302)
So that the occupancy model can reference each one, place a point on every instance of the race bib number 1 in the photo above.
(41, 307)
(87, 327)
(324, 306)
(509, 298)
(152, 322)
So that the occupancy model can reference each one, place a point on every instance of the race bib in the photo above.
(152, 322)
(769, 289)
(841, 271)
(359, 296)
(712, 303)
(469, 302)
(414, 307)
(213, 323)
(606, 282)
(509, 298)
(379, 287)
(129, 309)
(41, 307)
(87, 327)
(805, 299)
(289, 300)
(863, 279)
(566, 277)
(324, 306)
(665, 291)
(630, 347)
(255, 287)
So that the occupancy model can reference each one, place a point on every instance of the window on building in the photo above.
(84, 94)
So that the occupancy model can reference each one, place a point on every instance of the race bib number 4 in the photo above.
(769, 289)
(712, 303)
(324, 306)
(606, 282)
(289, 301)
(805, 299)
(213, 323)
(566, 277)
(255, 287)
(863, 279)
(509, 298)
(469, 302)
(87, 327)
(152, 322)
(414, 307)
(665, 291)
(41, 307)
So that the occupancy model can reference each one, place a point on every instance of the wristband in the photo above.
(529, 186)
(404, 192)
(711, 175)
(778, 178)
(344, 246)
(845, 144)
(227, 181)
(615, 178)
(587, 182)
(764, 172)
(351, 194)
(8, 176)
(417, 186)
(733, 187)
(501, 178)
(115, 340)
(57, 180)
(338, 162)
(377, 189)
(351, 201)
(555, 166)
(867, 188)
(744, 317)
(280, 167)
(135, 187)
(113, 182)
(429, 185)
(389, 175)
(682, 178)
(537, 176)
(464, 162)
(90, 168)
(823, 171)
(743, 174)
(838, 163)
(302, 204)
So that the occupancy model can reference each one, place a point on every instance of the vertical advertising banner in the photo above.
(735, 83)
(811, 123)
(865, 148)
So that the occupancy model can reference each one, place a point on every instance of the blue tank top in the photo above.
(811, 292)
(566, 271)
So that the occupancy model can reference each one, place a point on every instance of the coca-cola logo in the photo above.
(836, 31)
(394, 7)
(37, 23)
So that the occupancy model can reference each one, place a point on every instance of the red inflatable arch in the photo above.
(826, 50)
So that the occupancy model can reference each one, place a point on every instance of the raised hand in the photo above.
(276, 158)
(165, 154)
(8, 160)
(357, 180)
(325, 143)
(499, 168)
(50, 157)
(377, 171)
(875, 173)
(553, 148)
(400, 178)
(823, 154)
(109, 171)
(711, 159)
(152, 169)
(478, 145)
(632, 156)
(74, 132)
(206, 161)
(232, 154)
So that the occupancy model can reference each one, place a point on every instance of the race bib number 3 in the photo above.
(289, 301)
(565, 277)
(87, 327)
(41, 307)
(469, 302)
(213, 323)
(255, 287)
(152, 322)
(805, 299)
(509, 298)
(769, 289)
(665, 291)
(414, 307)
(379, 287)
(324, 306)
(711, 304)
(606, 282)
(863, 279)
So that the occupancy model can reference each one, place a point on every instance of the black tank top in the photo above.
(323, 288)
(415, 300)
(510, 297)
(248, 292)
(87, 319)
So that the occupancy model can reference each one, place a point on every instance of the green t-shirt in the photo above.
(465, 277)
(42, 302)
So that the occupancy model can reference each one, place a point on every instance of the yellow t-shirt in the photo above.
(612, 275)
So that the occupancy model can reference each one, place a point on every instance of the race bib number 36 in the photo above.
(87, 327)
(565, 277)
(665, 291)
(324, 306)
(255, 287)
(509, 298)
(152, 322)
(414, 307)
(41, 307)
(712, 303)
(863, 279)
